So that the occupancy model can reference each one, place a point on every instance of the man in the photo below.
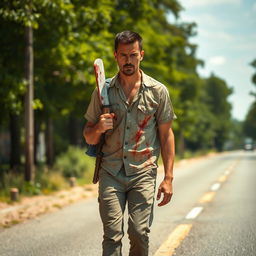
(138, 126)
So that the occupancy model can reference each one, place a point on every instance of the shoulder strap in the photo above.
(108, 81)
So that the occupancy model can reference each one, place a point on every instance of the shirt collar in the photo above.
(146, 81)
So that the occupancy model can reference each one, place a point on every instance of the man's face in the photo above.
(128, 57)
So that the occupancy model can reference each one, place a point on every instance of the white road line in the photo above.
(194, 213)
(227, 172)
(215, 187)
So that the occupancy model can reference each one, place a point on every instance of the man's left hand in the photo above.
(165, 188)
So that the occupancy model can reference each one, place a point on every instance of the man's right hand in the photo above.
(92, 132)
(105, 122)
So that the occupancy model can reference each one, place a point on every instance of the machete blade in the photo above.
(101, 82)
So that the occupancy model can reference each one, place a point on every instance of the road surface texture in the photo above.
(212, 213)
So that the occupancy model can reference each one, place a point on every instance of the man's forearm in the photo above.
(168, 154)
(92, 134)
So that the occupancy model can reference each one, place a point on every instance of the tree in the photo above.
(250, 120)
(253, 64)
(29, 97)
(21, 13)
(217, 100)
(12, 85)
(65, 77)
(236, 136)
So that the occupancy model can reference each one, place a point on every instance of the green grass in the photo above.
(188, 154)
(191, 154)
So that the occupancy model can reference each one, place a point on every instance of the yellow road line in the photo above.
(222, 178)
(174, 240)
(181, 231)
(231, 167)
(227, 172)
(207, 197)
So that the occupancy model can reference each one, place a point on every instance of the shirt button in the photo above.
(126, 143)
(127, 127)
(129, 111)
(125, 157)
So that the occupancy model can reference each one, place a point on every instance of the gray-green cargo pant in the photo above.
(138, 191)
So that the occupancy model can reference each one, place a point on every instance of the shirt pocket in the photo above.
(146, 116)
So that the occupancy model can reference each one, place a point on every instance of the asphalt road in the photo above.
(212, 213)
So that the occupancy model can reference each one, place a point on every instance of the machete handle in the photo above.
(106, 109)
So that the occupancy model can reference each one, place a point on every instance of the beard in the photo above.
(128, 69)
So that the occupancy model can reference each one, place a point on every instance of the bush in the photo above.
(16, 180)
(31, 188)
(9, 179)
(52, 181)
(74, 163)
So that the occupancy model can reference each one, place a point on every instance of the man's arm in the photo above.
(168, 152)
(92, 132)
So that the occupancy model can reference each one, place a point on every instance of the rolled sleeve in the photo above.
(165, 112)
(94, 109)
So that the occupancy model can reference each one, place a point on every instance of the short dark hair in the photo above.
(127, 37)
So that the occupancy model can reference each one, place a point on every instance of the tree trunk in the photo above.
(29, 113)
(15, 142)
(36, 140)
(49, 142)
(74, 131)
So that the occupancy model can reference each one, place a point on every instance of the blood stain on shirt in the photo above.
(138, 135)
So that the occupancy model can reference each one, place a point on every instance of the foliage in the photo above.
(217, 100)
(74, 163)
(45, 182)
(250, 120)
(236, 136)
(52, 181)
(9, 179)
(13, 85)
(253, 64)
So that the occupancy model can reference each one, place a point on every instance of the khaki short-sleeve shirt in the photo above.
(134, 140)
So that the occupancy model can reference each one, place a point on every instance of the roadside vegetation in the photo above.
(72, 163)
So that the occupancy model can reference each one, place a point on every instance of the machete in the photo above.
(101, 85)
(102, 88)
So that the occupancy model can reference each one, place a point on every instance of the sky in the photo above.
(226, 39)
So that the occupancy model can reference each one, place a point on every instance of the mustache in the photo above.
(128, 66)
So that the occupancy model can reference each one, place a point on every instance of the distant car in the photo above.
(248, 147)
